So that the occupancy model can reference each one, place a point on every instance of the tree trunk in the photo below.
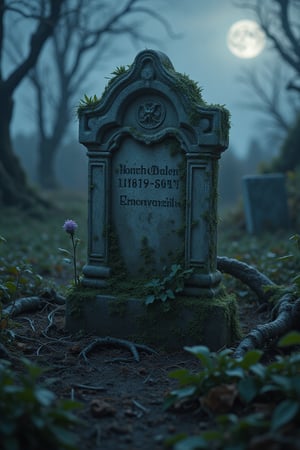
(49, 144)
(46, 164)
(14, 189)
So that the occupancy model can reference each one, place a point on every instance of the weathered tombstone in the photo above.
(153, 146)
(265, 202)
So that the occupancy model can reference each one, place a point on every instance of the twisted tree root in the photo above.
(33, 303)
(288, 317)
(22, 305)
(286, 311)
(131, 346)
(250, 276)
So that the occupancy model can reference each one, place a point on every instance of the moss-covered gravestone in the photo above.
(153, 146)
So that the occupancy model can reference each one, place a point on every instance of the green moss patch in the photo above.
(165, 325)
(190, 321)
(183, 85)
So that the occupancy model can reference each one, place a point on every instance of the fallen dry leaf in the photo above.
(75, 349)
(101, 408)
(3, 323)
(220, 399)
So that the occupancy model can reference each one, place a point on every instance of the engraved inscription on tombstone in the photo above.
(147, 203)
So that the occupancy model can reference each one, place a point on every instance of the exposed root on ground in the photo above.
(34, 303)
(249, 275)
(288, 318)
(22, 305)
(50, 317)
(115, 342)
(287, 312)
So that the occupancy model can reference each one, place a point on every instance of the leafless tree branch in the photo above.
(79, 39)
(282, 29)
(38, 38)
(266, 95)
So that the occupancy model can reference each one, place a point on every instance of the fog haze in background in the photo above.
(196, 47)
(199, 50)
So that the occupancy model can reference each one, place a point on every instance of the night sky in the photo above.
(200, 51)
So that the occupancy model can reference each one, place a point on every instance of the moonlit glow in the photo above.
(245, 39)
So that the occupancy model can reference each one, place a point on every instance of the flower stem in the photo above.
(74, 259)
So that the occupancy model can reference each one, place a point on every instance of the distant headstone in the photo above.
(153, 147)
(265, 200)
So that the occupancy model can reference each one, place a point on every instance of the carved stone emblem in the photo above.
(151, 114)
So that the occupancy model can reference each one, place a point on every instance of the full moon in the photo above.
(245, 39)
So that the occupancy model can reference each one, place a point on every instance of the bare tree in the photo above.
(280, 21)
(44, 14)
(265, 93)
(81, 40)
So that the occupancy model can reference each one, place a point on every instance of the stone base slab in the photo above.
(188, 321)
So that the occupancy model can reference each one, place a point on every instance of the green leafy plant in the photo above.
(294, 286)
(225, 384)
(18, 280)
(120, 70)
(4, 323)
(87, 101)
(31, 416)
(15, 281)
(296, 280)
(166, 288)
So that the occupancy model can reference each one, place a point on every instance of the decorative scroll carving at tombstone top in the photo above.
(153, 146)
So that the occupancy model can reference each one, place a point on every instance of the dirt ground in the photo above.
(122, 399)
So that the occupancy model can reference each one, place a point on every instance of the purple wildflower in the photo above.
(70, 226)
